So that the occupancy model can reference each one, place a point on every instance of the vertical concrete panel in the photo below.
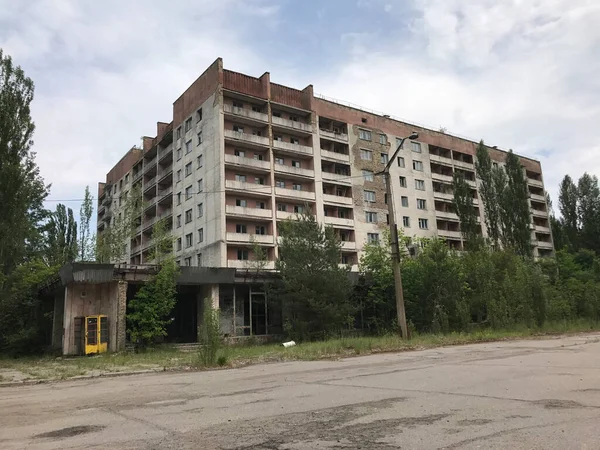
(58, 320)
(68, 322)
(121, 310)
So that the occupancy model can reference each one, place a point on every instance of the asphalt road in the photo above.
(536, 394)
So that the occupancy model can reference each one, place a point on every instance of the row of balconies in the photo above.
(257, 213)
(269, 239)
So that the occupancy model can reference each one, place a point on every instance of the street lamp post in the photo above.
(394, 240)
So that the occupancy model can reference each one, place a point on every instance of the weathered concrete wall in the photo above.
(57, 319)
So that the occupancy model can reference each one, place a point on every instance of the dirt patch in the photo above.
(588, 390)
(473, 422)
(559, 404)
(518, 416)
(69, 432)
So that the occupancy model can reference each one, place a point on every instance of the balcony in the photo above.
(283, 215)
(337, 177)
(248, 212)
(348, 245)
(545, 245)
(440, 177)
(340, 137)
(338, 221)
(446, 215)
(135, 249)
(246, 187)
(164, 193)
(150, 184)
(297, 148)
(281, 168)
(248, 238)
(163, 174)
(137, 176)
(247, 162)
(440, 160)
(164, 153)
(342, 157)
(443, 196)
(539, 213)
(538, 198)
(463, 164)
(337, 199)
(237, 136)
(147, 244)
(250, 264)
(305, 195)
(450, 234)
(294, 124)
(244, 112)
(542, 229)
(150, 165)
(536, 183)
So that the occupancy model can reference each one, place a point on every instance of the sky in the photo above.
(520, 74)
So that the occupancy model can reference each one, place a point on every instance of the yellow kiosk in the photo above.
(91, 334)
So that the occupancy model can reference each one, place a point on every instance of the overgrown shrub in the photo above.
(209, 336)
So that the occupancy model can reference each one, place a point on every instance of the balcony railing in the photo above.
(137, 176)
(250, 238)
(282, 215)
(293, 147)
(331, 135)
(328, 198)
(450, 234)
(335, 156)
(150, 183)
(440, 177)
(296, 125)
(536, 183)
(294, 170)
(463, 164)
(243, 112)
(162, 174)
(247, 162)
(440, 159)
(443, 196)
(537, 197)
(348, 245)
(544, 244)
(446, 215)
(539, 213)
(249, 212)
(251, 138)
(248, 187)
(284, 192)
(250, 264)
(149, 164)
(339, 221)
(542, 229)
(337, 177)
(162, 193)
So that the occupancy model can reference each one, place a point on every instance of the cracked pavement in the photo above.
(528, 394)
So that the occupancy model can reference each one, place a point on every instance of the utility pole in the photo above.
(394, 240)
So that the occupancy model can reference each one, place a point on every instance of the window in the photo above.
(201, 235)
(188, 169)
(179, 154)
(259, 180)
(367, 155)
(281, 207)
(365, 135)
(296, 186)
(200, 161)
(421, 204)
(420, 185)
(258, 156)
(256, 133)
(298, 209)
(188, 192)
(187, 261)
(385, 197)
(403, 182)
(189, 240)
(294, 118)
(199, 115)
(127, 178)
(178, 133)
(495, 165)
(188, 216)
(241, 228)
(404, 201)
(240, 153)
(363, 120)
(188, 146)
(385, 158)
(346, 259)
(188, 124)
(178, 222)
(418, 165)
(296, 164)
(199, 259)
(423, 225)
(382, 139)
(179, 198)
(242, 255)
(294, 140)
(260, 230)
(401, 162)
(278, 137)
(242, 203)
(240, 178)
(237, 104)
(178, 262)
(257, 109)
(369, 196)
(200, 185)
(178, 244)
(367, 175)
(199, 137)
(372, 237)
(371, 217)
(406, 222)
(416, 147)
(276, 114)
(200, 209)
(279, 183)
(238, 128)
(178, 178)
(260, 205)
(279, 161)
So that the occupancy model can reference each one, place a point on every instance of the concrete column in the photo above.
(121, 309)
(57, 320)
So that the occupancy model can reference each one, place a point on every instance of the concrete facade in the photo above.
(268, 151)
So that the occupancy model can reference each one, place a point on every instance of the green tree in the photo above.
(516, 215)
(162, 241)
(489, 196)
(567, 205)
(22, 190)
(86, 244)
(61, 236)
(466, 211)
(588, 212)
(313, 287)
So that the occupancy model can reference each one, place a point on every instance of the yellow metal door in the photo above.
(103, 334)
(91, 335)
